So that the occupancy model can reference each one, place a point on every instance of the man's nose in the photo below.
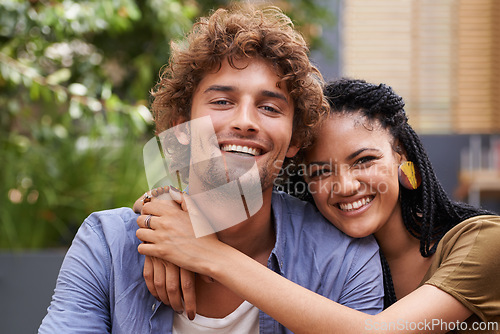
(245, 119)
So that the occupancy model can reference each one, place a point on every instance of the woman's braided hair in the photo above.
(428, 212)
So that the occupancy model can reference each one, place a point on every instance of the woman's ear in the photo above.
(399, 152)
(292, 151)
(293, 148)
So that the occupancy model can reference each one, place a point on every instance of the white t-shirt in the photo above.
(245, 319)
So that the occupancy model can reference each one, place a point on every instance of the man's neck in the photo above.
(255, 236)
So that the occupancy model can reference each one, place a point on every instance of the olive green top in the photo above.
(467, 266)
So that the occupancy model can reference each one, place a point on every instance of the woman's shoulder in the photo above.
(466, 264)
(482, 219)
(488, 226)
(472, 243)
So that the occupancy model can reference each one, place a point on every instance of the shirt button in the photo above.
(153, 307)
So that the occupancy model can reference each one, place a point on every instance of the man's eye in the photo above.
(271, 110)
(220, 102)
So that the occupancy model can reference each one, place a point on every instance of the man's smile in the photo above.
(253, 151)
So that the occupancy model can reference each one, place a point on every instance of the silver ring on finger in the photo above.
(147, 221)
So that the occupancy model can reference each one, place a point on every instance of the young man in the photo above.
(248, 72)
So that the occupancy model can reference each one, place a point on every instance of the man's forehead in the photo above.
(238, 64)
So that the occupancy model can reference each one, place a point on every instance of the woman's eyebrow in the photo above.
(361, 150)
(349, 157)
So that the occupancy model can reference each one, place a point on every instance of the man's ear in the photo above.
(292, 150)
(181, 131)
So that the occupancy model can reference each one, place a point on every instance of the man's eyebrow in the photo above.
(219, 88)
(277, 95)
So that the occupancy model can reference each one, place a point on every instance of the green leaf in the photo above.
(35, 91)
(59, 76)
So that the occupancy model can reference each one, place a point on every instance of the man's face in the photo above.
(252, 118)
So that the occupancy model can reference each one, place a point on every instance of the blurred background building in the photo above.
(443, 57)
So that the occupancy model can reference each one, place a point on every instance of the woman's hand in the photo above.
(160, 192)
(171, 236)
(167, 282)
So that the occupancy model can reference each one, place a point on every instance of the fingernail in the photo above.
(179, 312)
(191, 315)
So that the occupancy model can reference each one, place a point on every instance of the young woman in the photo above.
(368, 173)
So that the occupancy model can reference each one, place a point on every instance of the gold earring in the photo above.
(409, 177)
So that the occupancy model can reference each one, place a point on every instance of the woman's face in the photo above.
(352, 173)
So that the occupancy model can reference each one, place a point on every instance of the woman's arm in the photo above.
(303, 311)
(297, 308)
(167, 282)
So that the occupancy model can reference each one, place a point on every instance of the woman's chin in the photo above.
(354, 231)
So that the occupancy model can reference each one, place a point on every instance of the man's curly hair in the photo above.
(241, 32)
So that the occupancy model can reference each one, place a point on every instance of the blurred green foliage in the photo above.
(74, 88)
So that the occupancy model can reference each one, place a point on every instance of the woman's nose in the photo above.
(345, 185)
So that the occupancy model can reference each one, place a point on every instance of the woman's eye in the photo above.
(365, 160)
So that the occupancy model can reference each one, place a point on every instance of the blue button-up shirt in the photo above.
(100, 288)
